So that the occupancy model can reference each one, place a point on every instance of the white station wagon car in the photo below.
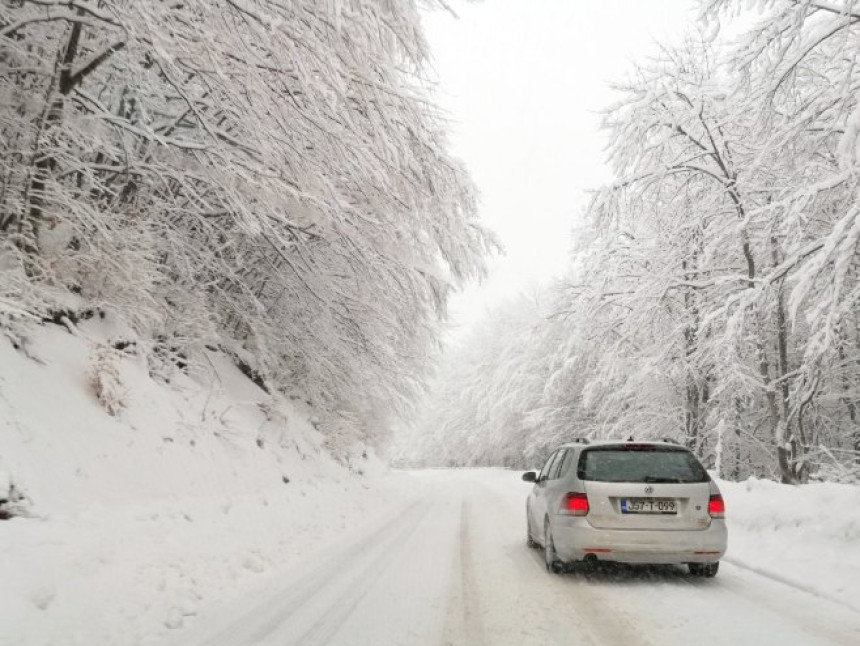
(629, 502)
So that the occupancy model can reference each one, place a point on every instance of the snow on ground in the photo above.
(135, 520)
(807, 536)
(169, 524)
(453, 568)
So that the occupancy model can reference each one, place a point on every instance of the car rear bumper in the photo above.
(575, 538)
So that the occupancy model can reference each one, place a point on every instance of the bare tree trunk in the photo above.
(63, 81)
(796, 446)
(777, 422)
(778, 427)
(45, 162)
(691, 414)
(849, 399)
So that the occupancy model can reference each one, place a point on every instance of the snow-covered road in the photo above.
(451, 567)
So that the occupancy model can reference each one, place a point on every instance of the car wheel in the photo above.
(553, 563)
(707, 570)
(531, 542)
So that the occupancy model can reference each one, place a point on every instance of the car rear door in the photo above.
(539, 494)
(555, 486)
(644, 486)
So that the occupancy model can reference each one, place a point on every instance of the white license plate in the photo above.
(648, 506)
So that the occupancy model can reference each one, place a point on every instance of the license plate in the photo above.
(648, 506)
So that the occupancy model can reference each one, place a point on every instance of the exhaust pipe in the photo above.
(590, 559)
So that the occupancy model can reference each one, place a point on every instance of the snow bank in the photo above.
(807, 536)
(184, 496)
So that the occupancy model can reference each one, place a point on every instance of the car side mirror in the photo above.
(530, 476)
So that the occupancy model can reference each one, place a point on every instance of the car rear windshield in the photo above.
(640, 463)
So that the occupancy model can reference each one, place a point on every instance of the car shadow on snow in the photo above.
(615, 573)
(607, 572)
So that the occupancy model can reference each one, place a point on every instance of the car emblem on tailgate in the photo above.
(649, 490)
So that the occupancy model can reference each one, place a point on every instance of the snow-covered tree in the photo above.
(266, 177)
(714, 293)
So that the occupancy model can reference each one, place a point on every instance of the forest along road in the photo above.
(452, 567)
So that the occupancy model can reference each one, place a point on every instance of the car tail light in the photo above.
(716, 506)
(574, 504)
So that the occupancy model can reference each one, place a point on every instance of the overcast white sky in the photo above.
(524, 82)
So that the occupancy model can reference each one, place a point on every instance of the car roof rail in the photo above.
(580, 440)
(669, 440)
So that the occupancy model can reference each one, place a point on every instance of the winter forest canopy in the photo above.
(267, 179)
(270, 179)
(714, 295)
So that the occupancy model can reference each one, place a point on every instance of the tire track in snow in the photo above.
(570, 612)
(362, 582)
(595, 613)
(465, 622)
(796, 611)
(773, 576)
(345, 575)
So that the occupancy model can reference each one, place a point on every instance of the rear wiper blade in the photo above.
(662, 480)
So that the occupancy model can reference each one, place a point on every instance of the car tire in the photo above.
(705, 570)
(553, 563)
(531, 542)
(709, 570)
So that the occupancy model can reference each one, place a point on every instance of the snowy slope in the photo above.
(184, 497)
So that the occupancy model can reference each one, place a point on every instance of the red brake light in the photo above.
(716, 506)
(574, 504)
